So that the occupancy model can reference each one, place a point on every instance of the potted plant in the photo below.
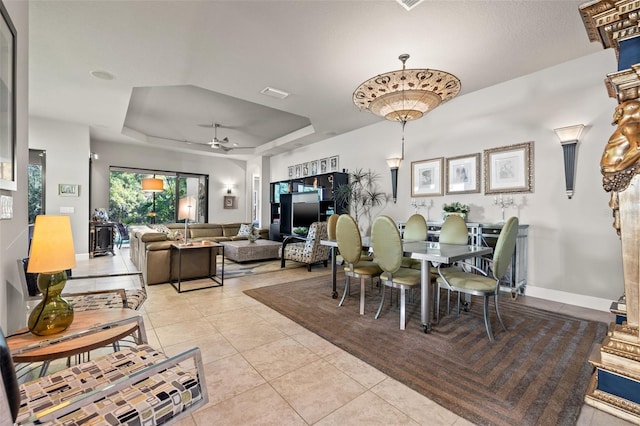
(362, 195)
(456, 208)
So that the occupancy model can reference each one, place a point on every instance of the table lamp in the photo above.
(51, 254)
(186, 211)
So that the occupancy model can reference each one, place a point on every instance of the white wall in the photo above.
(13, 232)
(221, 172)
(574, 253)
(67, 161)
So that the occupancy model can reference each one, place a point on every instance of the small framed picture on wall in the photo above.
(333, 163)
(229, 202)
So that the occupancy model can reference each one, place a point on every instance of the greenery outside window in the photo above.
(128, 204)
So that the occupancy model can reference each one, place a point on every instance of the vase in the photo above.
(445, 215)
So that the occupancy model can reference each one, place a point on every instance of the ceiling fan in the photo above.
(218, 143)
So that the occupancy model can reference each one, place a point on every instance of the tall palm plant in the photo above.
(362, 196)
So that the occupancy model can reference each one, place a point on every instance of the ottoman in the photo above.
(244, 251)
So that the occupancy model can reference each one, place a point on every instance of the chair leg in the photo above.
(381, 303)
(402, 305)
(438, 303)
(498, 313)
(362, 287)
(487, 323)
(346, 290)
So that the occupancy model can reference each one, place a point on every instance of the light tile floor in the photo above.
(262, 368)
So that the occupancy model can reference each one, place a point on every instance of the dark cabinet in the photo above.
(101, 238)
(324, 185)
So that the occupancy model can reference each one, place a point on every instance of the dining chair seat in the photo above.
(363, 267)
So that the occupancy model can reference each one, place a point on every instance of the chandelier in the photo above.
(406, 94)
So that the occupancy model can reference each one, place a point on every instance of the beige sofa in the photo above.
(150, 249)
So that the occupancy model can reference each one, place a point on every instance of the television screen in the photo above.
(304, 214)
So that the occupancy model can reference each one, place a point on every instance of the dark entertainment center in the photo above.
(297, 203)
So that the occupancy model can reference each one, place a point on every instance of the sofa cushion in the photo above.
(230, 229)
(211, 232)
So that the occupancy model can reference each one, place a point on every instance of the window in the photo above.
(128, 204)
(36, 183)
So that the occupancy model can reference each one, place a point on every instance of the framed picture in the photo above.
(333, 164)
(463, 174)
(305, 169)
(290, 172)
(298, 170)
(324, 165)
(426, 177)
(509, 169)
(7, 102)
(68, 190)
(313, 168)
(229, 202)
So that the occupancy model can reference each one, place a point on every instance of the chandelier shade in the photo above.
(152, 185)
(406, 94)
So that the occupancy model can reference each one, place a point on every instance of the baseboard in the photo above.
(590, 302)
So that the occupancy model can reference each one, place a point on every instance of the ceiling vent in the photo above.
(274, 93)
(409, 4)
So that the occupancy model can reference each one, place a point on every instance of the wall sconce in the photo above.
(569, 138)
(228, 188)
(394, 165)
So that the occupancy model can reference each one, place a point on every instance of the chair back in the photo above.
(9, 388)
(317, 232)
(454, 231)
(504, 247)
(331, 226)
(349, 239)
(416, 228)
(387, 244)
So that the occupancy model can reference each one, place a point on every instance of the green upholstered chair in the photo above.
(350, 246)
(387, 248)
(414, 230)
(477, 282)
(453, 231)
(332, 222)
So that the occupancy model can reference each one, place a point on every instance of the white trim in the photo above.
(584, 301)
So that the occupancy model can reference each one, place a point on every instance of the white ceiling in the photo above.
(179, 65)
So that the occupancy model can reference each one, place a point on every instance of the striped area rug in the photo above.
(239, 269)
(535, 373)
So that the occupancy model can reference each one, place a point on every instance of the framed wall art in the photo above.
(68, 190)
(324, 165)
(509, 169)
(298, 170)
(290, 170)
(7, 102)
(313, 167)
(463, 174)
(305, 169)
(333, 164)
(426, 177)
(229, 202)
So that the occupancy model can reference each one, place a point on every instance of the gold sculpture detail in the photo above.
(621, 158)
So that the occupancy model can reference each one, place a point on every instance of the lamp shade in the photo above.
(394, 163)
(187, 208)
(152, 185)
(571, 133)
(52, 245)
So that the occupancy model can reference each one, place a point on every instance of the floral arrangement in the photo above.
(456, 207)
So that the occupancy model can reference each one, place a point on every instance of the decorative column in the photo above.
(615, 386)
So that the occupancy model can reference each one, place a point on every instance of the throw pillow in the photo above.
(174, 235)
(161, 228)
(245, 230)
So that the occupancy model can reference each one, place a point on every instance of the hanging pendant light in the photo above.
(406, 94)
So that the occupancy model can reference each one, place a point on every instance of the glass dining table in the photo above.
(428, 253)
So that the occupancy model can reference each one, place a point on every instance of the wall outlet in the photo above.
(67, 210)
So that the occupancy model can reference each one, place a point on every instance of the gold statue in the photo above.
(620, 160)
(623, 149)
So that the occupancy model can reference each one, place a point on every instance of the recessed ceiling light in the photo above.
(274, 93)
(103, 75)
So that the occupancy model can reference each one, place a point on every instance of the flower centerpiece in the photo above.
(455, 208)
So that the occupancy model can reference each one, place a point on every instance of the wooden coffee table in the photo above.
(89, 330)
